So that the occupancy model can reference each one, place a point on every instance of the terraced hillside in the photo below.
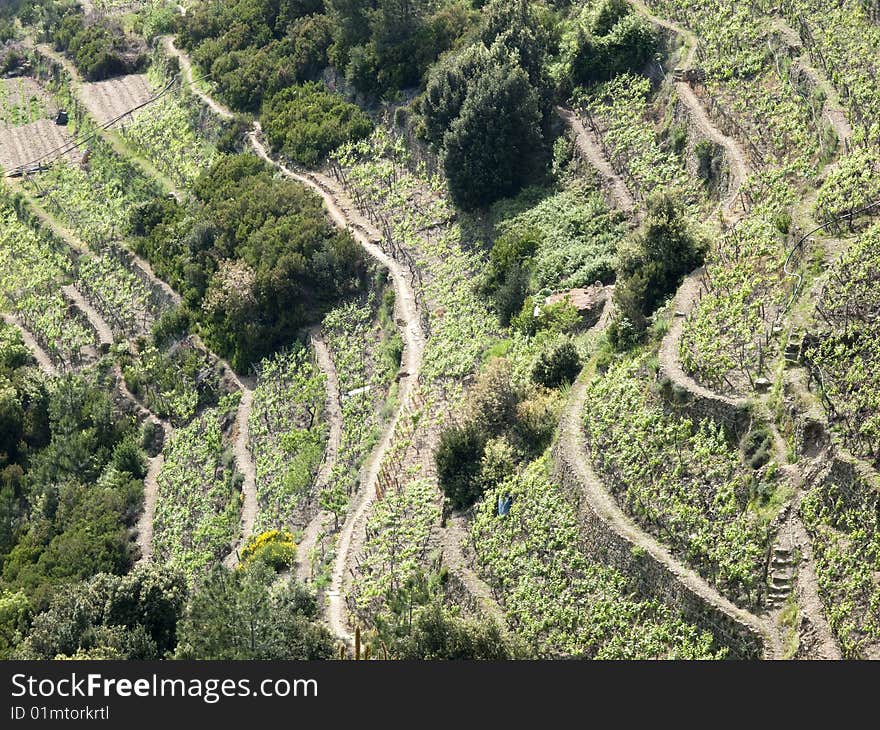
(529, 330)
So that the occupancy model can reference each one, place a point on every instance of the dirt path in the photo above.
(809, 603)
(105, 334)
(244, 462)
(151, 480)
(154, 466)
(186, 68)
(333, 414)
(833, 111)
(572, 450)
(158, 283)
(594, 154)
(344, 215)
(453, 538)
(670, 362)
(807, 586)
(736, 156)
(689, 37)
(39, 354)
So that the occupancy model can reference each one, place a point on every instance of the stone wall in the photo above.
(651, 578)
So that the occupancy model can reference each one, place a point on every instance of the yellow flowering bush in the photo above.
(275, 548)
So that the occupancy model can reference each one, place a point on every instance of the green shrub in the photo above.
(274, 548)
(458, 461)
(557, 367)
(306, 122)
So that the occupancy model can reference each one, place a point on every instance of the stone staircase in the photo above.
(782, 573)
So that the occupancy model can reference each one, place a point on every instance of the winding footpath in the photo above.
(186, 68)
(670, 362)
(809, 603)
(244, 462)
(39, 354)
(832, 110)
(452, 539)
(154, 464)
(333, 414)
(736, 156)
(594, 154)
(572, 457)
(342, 213)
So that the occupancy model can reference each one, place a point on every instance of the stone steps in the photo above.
(781, 575)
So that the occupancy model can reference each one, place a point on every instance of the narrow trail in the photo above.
(73, 241)
(343, 214)
(154, 280)
(594, 154)
(154, 465)
(808, 600)
(154, 468)
(186, 68)
(39, 354)
(105, 334)
(807, 586)
(736, 156)
(333, 414)
(809, 603)
(244, 462)
(571, 453)
(453, 537)
(670, 363)
(833, 111)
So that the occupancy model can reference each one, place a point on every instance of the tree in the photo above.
(241, 614)
(458, 464)
(306, 122)
(557, 367)
(508, 275)
(652, 265)
(127, 617)
(447, 88)
(495, 144)
(492, 399)
(438, 632)
(14, 615)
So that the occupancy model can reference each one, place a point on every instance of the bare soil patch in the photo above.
(23, 145)
(107, 100)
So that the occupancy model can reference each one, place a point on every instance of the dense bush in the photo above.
(458, 464)
(652, 266)
(70, 489)
(274, 548)
(486, 107)
(438, 632)
(490, 150)
(306, 122)
(383, 45)
(607, 40)
(557, 367)
(509, 271)
(254, 48)
(259, 262)
(243, 615)
(109, 616)
(99, 49)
